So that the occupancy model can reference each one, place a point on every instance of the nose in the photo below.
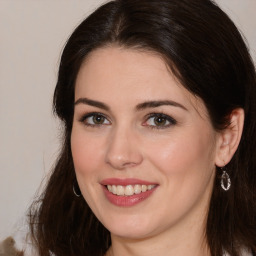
(123, 149)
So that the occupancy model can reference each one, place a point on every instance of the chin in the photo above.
(131, 233)
(130, 227)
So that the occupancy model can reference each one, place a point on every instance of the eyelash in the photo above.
(93, 114)
(165, 117)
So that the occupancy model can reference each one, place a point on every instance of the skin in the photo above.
(179, 156)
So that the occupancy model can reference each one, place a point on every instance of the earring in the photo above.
(225, 180)
(76, 189)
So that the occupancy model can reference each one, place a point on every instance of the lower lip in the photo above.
(126, 201)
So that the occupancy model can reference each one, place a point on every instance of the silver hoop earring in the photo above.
(225, 180)
(76, 189)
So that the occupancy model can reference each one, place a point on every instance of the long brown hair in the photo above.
(208, 55)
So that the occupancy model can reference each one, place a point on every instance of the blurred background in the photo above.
(32, 36)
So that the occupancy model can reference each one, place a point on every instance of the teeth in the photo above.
(137, 189)
(143, 188)
(120, 190)
(113, 189)
(128, 190)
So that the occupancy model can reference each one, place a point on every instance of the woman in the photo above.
(158, 103)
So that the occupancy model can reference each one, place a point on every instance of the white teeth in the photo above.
(128, 190)
(137, 189)
(113, 190)
(150, 187)
(143, 188)
(120, 190)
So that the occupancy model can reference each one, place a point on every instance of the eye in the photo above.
(159, 121)
(95, 119)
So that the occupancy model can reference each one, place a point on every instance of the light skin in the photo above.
(133, 119)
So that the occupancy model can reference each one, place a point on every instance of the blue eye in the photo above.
(95, 119)
(159, 121)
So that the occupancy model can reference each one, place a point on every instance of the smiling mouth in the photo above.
(129, 190)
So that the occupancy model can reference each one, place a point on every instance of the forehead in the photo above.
(134, 75)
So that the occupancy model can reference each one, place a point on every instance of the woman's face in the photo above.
(143, 147)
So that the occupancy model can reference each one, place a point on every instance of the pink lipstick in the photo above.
(127, 192)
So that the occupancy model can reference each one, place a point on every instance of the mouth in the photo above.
(128, 190)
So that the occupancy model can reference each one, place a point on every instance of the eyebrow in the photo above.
(93, 103)
(139, 107)
(155, 104)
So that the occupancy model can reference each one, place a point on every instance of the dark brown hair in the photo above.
(206, 52)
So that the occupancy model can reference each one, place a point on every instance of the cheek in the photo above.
(186, 169)
(85, 152)
(186, 157)
(86, 157)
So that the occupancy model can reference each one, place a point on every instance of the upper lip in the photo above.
(125, 182)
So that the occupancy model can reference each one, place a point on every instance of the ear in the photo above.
(229, 138)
